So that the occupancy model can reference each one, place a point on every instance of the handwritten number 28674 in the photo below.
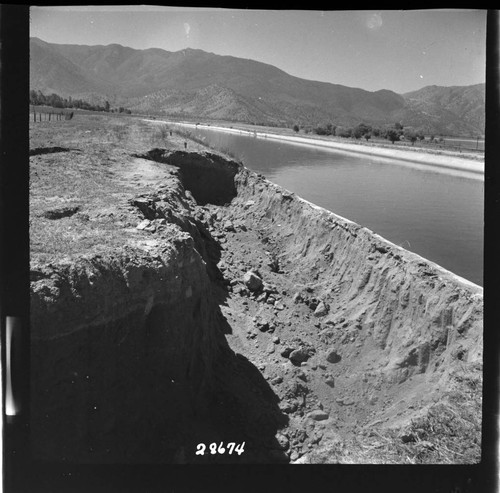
(213, 448)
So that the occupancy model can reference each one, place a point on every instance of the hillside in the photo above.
(197, 84)
(458, 108)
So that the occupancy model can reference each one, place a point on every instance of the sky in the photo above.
(387, 49)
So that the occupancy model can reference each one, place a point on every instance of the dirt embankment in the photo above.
(236, 312)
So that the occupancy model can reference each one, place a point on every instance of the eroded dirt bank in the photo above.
(243, 313)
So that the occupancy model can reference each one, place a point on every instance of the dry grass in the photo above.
(451, 429)
(86, 174)
(91, 171)
(447, 432)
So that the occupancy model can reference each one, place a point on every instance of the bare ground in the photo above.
(342, 395)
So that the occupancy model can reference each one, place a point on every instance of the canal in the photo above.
(438, 215)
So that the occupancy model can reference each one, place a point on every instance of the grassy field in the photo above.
(82, 174)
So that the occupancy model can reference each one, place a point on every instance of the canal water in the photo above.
(438, 215)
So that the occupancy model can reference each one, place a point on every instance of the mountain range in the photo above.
(196, 84)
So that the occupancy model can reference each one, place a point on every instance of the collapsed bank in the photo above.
(344, 351)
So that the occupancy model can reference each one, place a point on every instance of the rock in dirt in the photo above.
(302, 460)
(298, 356)
(261, 324)
(262, 297)
(321, 310)
(252, 281)
(143, 224)
(229, 226)
(60, 212)
(302, 376)
(288, 406)
(318, 415)
(269, 288)
(330, 381)
(279, 306)
(282, 441)
(332, 356)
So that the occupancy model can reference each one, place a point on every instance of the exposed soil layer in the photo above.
(235, 311)
(47, 150)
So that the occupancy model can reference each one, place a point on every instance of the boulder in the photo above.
(298, 356)
(252, 281)
(332, 356)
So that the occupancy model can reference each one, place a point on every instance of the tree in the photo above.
(343, 132)
(330, 129)
(410, 134)
(360, 130)
(319, 130)
(392, 134)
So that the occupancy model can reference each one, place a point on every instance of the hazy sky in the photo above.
(387, 49)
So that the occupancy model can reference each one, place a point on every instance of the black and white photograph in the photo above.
(256, 236)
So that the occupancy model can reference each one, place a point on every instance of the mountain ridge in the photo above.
(195, 83)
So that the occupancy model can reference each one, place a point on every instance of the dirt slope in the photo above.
(199, 302)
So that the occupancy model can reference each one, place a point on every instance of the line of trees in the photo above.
(362, 130)
(37, 98)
